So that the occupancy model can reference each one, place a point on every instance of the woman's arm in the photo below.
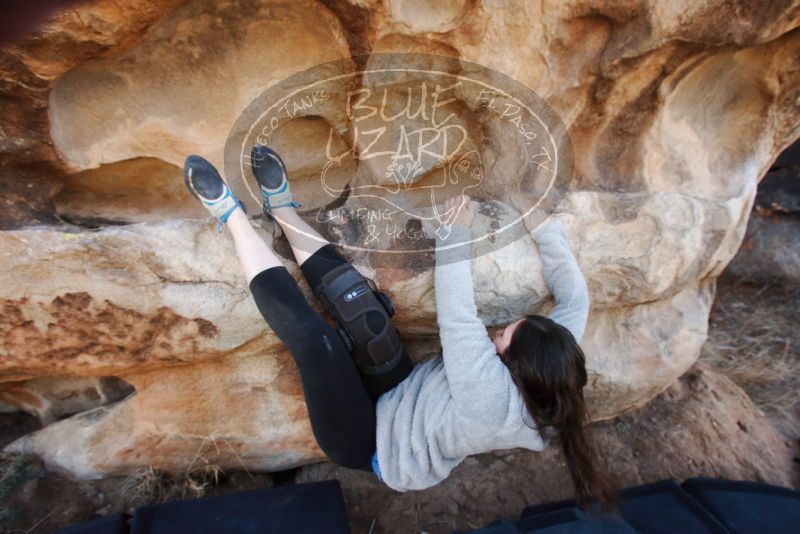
(563, 277)
(479, 381)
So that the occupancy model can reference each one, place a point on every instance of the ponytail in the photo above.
(548, 367)
(589, 477)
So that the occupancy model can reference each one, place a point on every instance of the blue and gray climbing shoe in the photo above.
(205, 183)
(270, 172)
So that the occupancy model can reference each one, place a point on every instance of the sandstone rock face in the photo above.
(53, 398)
(32, 170)
(675, 111)
(171, 413)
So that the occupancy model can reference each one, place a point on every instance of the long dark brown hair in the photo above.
(548, 367)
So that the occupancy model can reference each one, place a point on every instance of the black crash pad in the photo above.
(304, 508)
(748, 507)
(115, 524)
(660, 507)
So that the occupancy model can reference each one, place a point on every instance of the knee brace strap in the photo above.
(364, 320)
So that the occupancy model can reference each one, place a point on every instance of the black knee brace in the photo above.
(363, 314)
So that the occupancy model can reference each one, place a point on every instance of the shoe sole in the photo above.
(187, 180)
(267, 153)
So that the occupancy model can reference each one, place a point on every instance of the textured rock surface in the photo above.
(231, 412)
(675, 111)
(184, 84)
(32, 172)
(54, 398)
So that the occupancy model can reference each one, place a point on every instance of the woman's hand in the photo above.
(459, 210)
(465, 208)
(534, 219)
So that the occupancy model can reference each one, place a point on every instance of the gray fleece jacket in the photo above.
(465, 402)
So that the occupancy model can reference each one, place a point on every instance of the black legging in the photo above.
(341, 410)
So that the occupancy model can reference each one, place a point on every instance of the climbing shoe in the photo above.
(270, 172)
(204, 182)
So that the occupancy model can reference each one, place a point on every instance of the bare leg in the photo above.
(254, 254)
(303, 239)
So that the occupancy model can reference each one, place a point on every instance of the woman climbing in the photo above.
(413, 426)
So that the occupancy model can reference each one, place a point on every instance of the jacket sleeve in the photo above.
(479, 381)
(563, 277)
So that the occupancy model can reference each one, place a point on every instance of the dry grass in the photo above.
(201, 475)
(26, 488)
(151, 486)
(754, 340)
